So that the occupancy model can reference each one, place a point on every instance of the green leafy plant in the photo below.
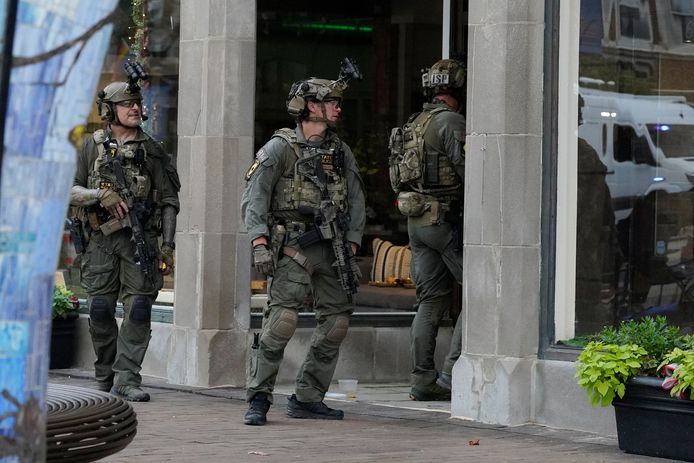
(683, 374)
(603, 369)
(637, 347)
(653, 334)
(64, 302)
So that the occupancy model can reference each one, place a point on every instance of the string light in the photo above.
(139, 20)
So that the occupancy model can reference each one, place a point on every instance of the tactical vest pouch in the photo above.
(111, 226)
(406, 162)
(278, 234)
(433, 214)
(396, 152)
(139, 187)
(411, 203)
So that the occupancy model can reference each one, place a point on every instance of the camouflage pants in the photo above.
(435, 266)
(109, 272)
(289, 288)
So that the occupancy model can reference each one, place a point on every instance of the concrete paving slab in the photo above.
(186, 424)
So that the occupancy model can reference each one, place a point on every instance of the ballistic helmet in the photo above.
(310, 89)
(113, 93)
(444, 76)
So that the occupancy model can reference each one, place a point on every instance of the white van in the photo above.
(646, 142)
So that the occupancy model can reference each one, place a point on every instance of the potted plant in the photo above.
(65, 310)
(645, 369)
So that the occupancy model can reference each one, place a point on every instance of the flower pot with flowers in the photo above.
(65, 311)
(645, 369)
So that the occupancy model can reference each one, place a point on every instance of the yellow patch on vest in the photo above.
(252, 169)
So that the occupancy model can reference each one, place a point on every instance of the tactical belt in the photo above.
(305, 233)
(299, 258)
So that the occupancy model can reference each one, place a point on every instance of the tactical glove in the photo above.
(263, 260)
(167, 255)
(108, 198)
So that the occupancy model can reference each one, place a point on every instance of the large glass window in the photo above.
(635, 197)
(391, 42)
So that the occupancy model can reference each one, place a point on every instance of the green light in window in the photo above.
(331, 27)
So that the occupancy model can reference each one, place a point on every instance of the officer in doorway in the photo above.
(427, 172)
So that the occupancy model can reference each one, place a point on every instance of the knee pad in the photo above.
(101, 309)
(283, 327)
(338, 331)
(141, 309)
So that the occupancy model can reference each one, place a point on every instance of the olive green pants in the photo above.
(436, 264)
(288, 291)
(108, 273)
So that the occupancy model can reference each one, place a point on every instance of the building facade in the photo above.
(570, 225)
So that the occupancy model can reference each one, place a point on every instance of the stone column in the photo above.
(501, 273)
(215, 147)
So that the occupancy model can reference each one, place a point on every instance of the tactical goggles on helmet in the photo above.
(334, 102)
(321, 90)
(129, 103)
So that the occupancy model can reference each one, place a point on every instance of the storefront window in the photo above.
(147, 31)
(391, 45)
(635, 201)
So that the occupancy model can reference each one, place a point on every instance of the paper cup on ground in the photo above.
(348, 387)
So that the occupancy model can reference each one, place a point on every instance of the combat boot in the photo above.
(103, 386)
(444, 380)
(130, 393)
(257, 410)
(313, 410)
(431, 392)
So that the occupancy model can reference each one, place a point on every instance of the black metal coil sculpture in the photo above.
(86, 424)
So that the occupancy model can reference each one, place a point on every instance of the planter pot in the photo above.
(650, 422)
(63, 341)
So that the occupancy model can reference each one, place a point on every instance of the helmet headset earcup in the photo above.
(296, 105)
(105, 108)
(107, 113)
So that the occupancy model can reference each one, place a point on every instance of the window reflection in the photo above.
(635, 204)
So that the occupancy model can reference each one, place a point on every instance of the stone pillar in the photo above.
(501, 273)
(215, 147)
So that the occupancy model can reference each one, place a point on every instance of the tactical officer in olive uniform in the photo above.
(427, 171)
(297, 173)
(123, 177)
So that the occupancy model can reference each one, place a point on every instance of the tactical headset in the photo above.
(304, 91)
(117, 92)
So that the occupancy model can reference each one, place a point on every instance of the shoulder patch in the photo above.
(252, 169)
(261, 155)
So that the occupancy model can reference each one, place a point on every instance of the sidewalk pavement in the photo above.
(195, 425)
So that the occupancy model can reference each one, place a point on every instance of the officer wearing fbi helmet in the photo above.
(304, 210)
(426, 167)
(126, 193)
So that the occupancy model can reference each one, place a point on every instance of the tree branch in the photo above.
(19, 61)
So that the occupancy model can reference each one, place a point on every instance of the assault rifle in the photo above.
(330, 224)
(137, 212)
